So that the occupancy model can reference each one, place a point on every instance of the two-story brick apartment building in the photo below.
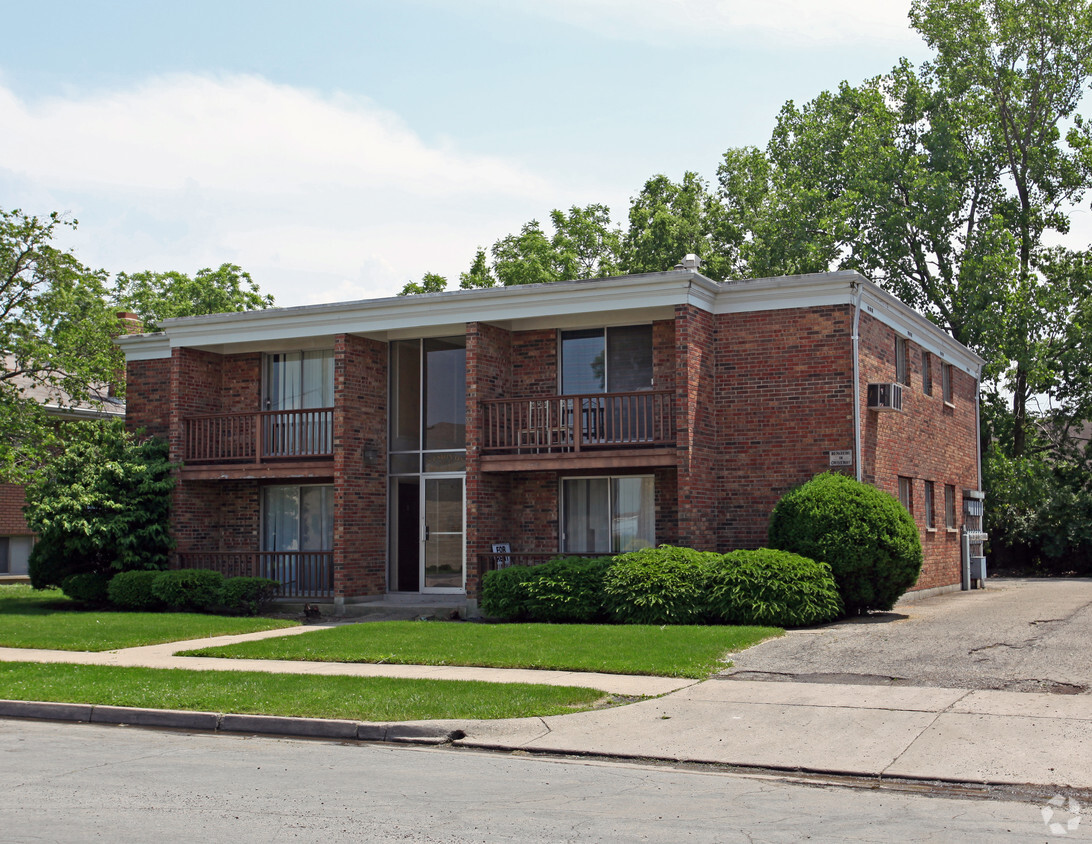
(364, 448)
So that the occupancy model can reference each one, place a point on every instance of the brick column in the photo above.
(360, 482)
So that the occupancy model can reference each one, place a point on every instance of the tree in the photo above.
(430, 283)
(101, 505)
(156, 296)
(55, 335)
(479, 274)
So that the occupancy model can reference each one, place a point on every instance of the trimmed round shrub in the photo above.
(665, 585)
(188, 590)
(132, 590)
(772, 588)
(503, 595)
(864, 534)
(568, 589)
(248, 595)
(89, 587)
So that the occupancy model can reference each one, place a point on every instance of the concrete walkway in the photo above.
(877, 731)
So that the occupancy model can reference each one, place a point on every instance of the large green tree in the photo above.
(55, 336)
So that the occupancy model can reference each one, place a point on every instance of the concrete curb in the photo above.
(213, 722)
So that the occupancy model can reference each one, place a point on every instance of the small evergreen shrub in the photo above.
(772, 588)
(503, 595)
(188, 590)
(248, 595)
(132, 590)
(89, 587)
(665, 585)
(864, 534)
(567, 589)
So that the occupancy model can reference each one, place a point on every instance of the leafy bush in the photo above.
(665, 585)
(567, 589)
(247, 595)
(772, 588)
(188, 590)
(503, 595)
(89, 587)
(100, 504)
(866, 537)
(132, 590)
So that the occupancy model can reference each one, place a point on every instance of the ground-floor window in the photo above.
(607, 515)
(298, 537)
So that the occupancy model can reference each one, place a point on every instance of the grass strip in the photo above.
(258, 693)
(670, 651)
(47, 619)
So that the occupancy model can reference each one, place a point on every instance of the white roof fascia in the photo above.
(405, 313)
(144, 346)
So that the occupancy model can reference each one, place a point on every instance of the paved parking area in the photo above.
(1017, 635)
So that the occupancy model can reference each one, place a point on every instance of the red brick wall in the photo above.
(12, 500)
(489, 366)
(217, 516)
(147, 396)
(663, 354)
(699, 499)
(360, 487)
(784, 401)
(241, 383)
(534, 363)
(927, 441)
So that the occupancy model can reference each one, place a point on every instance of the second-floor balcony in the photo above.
(602, 429)
(260, 437)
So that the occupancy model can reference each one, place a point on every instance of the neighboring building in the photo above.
(364, 448)
(16, 539)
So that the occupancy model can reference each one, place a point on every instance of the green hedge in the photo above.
(772, 588)
(189, 590)
(864, 534)
(132, 590)
(88, 587)
(665, 585)
(566, 589)
(248, 595)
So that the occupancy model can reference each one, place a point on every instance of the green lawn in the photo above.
(47, 619)
(679, 651)
(252, 692)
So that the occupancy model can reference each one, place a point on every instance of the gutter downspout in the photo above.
(857, 383)
(978, 425)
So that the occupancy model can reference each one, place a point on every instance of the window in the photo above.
(428, 405)
(902, 368)
(611, 360)
(926, 373)
(297, 518)
(930, 511)
(946, 382)
(5, 561)
(293, 384)
(607, 515)
(949, 507)
(906, 493)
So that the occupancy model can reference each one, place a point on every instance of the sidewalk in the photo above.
(953, 735)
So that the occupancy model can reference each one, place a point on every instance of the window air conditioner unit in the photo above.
(885, 396)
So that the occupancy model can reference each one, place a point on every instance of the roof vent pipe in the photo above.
(690, 261)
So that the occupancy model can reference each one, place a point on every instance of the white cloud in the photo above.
(706, 22)
(317, 193)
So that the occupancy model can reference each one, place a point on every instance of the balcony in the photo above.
(282, 443)
(302, 574)
(599, 430)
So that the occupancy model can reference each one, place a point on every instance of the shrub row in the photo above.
(667, 585)
(181, 590)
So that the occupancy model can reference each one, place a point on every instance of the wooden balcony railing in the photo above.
(258, 436)
(302, 574)
(557, 424)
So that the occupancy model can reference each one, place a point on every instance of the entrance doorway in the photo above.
(428, 534)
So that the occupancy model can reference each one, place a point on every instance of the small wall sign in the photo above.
(841, 458)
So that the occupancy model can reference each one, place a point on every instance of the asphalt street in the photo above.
(84, 782)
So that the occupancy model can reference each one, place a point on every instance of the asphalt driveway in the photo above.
(1017, 635)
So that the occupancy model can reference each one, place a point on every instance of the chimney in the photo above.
(690, 261)
(128, 323)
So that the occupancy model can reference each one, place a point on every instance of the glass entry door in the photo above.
(442, 534)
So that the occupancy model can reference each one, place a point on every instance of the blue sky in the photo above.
(337, 149)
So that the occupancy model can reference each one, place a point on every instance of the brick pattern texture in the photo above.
(12, 500)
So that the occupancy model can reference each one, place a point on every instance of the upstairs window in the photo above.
(902, 366)
(926, 373)
(610, 360)
(930, 509)
(906, 493)
(946, 382)
(299, 380)
(949, 507)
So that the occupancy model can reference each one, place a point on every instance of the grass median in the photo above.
(47, 619)
(670, 651)
(258, 693)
